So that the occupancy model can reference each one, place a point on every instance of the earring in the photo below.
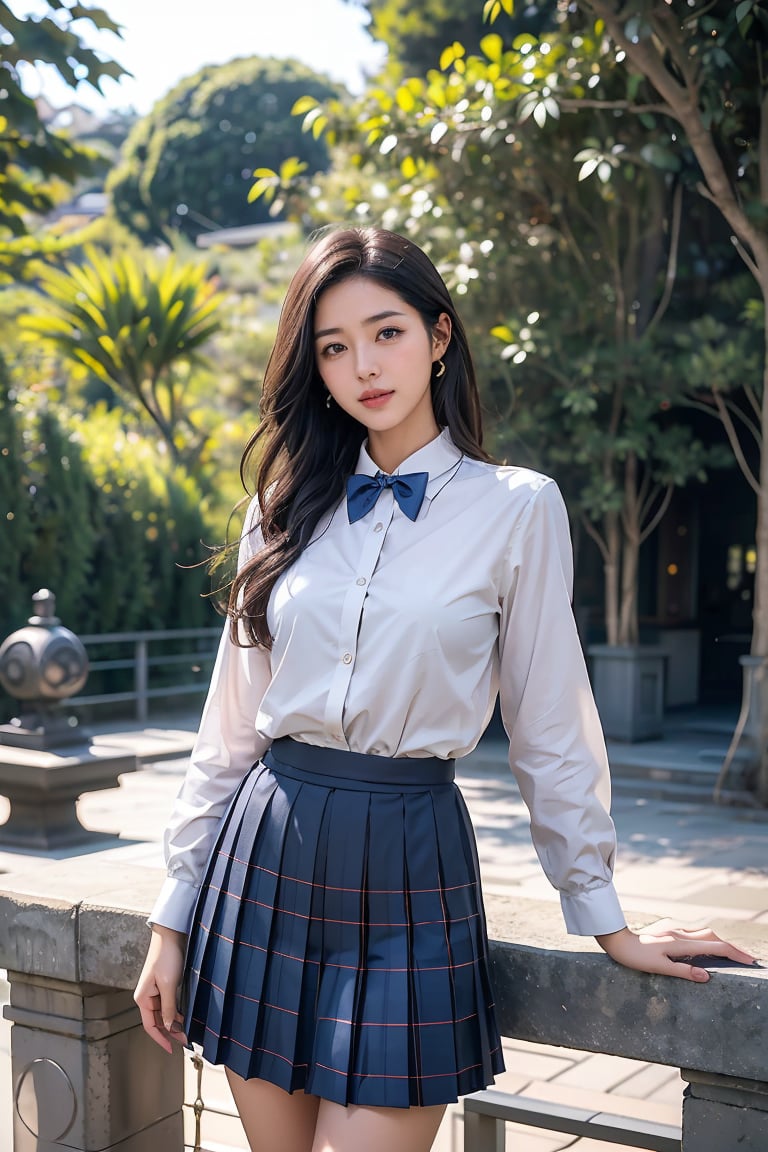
(441, 371)
(328, 399)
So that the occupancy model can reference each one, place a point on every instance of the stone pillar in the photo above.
(85, 1074)
(724, 1112)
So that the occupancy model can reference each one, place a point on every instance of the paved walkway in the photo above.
(680, 858)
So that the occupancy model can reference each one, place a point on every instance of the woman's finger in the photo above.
(149, 1009)
(684, 971)
(168, 1006)
(679, 943)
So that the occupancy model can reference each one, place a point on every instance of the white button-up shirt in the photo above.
(393, 637)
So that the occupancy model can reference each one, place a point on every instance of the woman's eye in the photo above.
(332, 349)
(389, 333)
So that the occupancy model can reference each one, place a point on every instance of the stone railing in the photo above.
(87, 1079)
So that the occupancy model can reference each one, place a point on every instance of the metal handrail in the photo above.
(141, 663)
(485, 1114)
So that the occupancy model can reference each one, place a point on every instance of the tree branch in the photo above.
(762, 149)
(649, 503)
(665, 25)
(733, 439)
(705, 406)
(653, 525)
(750, 263)
(574, 104)
(643, 498)
(671, 275)
(683, 102)
(598, 539)
(751, 396)
(746, 421)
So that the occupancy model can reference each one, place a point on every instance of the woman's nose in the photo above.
(366, 364)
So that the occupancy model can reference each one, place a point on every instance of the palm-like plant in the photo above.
(132, 320)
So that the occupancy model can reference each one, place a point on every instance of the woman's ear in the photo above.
(441, 335)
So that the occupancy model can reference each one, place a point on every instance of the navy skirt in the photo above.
(339, 943)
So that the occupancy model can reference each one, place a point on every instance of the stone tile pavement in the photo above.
(686, 860)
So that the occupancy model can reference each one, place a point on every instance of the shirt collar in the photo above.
(437, 458)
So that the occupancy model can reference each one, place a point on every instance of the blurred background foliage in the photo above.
(187, 166)
(602, 292)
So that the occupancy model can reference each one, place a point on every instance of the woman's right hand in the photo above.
(158, 987)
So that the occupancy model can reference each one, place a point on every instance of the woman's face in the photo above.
(376, 359)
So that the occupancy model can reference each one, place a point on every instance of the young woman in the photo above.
(392, 580)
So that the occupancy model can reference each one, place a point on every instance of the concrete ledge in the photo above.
(558, 989)
(84, 920)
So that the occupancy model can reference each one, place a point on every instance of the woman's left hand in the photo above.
(669, 953)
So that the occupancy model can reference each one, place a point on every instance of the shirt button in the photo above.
(347, 658)
(378, 527)
(361, 580)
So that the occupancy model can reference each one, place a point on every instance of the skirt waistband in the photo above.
(415, 772)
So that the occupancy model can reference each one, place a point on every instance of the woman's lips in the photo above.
(375, 399)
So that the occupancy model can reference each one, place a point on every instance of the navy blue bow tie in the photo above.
(364, 491)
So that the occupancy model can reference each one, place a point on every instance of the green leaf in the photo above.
(524, 40)
(404, 99)
(320, 124)
(291, 168)
(446, 58)
(265, 188)
(303, 104)
(491, 11)
(492, 46)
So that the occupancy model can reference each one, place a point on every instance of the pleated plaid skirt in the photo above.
(339, 943)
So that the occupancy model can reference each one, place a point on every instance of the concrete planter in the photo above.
(628, 683)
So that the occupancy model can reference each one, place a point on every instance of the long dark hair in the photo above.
(304, 450)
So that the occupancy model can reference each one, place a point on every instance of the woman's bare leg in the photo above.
(359, 1129)
(274, 1120)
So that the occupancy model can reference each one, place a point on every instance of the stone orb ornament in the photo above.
(42, 664)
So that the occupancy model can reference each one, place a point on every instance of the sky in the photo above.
(165, 40)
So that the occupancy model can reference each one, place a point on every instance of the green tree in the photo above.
(14, 508)
(695, 75)
(94, 512)
(150, 521)
(417, 34)
(136, 321)
(188, 164)
(33, 157)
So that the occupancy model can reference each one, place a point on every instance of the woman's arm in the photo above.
(228, 743)
(556, 747)
(557, 750)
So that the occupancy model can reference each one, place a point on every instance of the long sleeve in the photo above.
(227, 744)
(556, 746)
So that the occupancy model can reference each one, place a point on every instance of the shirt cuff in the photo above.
(175, 905)
(592, 912)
